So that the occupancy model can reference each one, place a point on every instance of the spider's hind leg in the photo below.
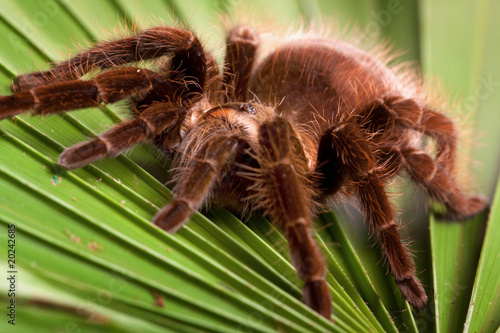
(383, 115)
(443, 131)
(347, 155)
(392, 120)
(434, 178)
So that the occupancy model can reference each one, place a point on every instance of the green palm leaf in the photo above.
(88, 257)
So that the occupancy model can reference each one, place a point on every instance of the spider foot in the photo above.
(413, 291)
(316, 295)
(473, 206)
(31, 80)
(82, 154)
(171, 217)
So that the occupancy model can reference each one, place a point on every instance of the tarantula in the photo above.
(282, 134)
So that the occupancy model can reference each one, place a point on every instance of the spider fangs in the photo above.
(331, 119)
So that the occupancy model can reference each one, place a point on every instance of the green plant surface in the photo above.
(474, 81)
(484, 306)
(89, 259)
(456, 246)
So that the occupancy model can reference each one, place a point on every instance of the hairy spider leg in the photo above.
(280, 190)
(186, 79)
(57, 97)
(242, 43)
(438, 182)
(197, 181)
(107, 87)
(286, 196)
(345, 147)
(391, 118)
(149, 44)
(150, 123)
(213, 89)
(443, 131)
(383, 115)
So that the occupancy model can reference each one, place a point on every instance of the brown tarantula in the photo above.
(280, 133)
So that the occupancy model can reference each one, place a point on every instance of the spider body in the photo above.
(328, 119)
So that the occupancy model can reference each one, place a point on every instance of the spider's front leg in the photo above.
(57, 97)
(196, 181)
(344, 154)
(149, 44)
(150, 123)
(286, 195)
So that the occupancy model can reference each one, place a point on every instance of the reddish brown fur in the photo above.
(331, 119)
(152, 43)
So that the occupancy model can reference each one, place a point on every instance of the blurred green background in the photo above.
(89, 260)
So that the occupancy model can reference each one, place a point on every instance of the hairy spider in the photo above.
(282, 133)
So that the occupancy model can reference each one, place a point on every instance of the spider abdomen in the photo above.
(320, 77)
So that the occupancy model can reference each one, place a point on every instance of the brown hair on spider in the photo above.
(313, 119)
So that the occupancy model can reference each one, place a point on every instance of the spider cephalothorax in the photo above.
(330, 119)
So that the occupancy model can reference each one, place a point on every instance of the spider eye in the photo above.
(248, 108)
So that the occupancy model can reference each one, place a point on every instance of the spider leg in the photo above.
(396, 111)
(440, 184)
(242, 43)
(149, 44)
(56, 97)
(283, 190)
(380, 119)
(148, 124)
(196, 181)
(349, 151)
(390, 118)
(441, 128)
(384, 115)
(213, 81)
